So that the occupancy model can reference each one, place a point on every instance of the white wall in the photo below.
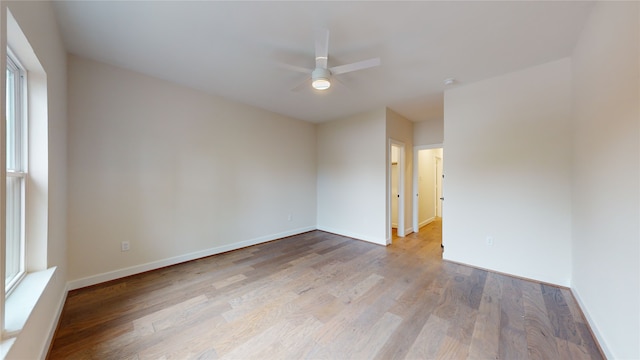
(508, 173)
(428, 132)
(606, 180)
(37, 22)
(352, 176)
(400, 129)
(176, 172)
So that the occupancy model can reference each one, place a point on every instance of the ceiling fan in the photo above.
(321, 75)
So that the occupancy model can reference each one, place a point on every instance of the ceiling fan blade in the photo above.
(337, 81)
(360, 65)
(303, 85)
(322, 48)
(294, 68)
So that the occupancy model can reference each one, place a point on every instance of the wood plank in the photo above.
(541, 342)
(368, 341)
(588, 343)
(429, 340)
(414, 319)
(572, 304)
(452, 349)
(513, 338)
(486, 332)
(559, 314)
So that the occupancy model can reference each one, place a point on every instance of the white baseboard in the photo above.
(426, 222)
(592, 325)
(356, 236)
(137, 269)
(407, 231)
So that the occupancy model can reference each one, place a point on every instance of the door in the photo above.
(439, 181)
(395, 198)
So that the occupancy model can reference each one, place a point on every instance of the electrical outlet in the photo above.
(124, 246)
(289, 217)
(489, 240)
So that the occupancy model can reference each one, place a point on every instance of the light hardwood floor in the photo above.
(324, 296)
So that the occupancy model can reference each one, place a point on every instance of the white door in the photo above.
(395, 193)
(439, 182)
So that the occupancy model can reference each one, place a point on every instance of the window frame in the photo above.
(19, 171)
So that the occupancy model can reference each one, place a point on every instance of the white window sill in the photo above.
(20, 304)
(5, 346)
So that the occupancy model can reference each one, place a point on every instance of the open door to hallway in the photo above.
(396, 190)
(428, 184)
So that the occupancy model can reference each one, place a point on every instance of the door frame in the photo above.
(416, 150)
(401, 184)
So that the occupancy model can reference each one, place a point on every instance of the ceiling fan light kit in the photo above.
(320, 79)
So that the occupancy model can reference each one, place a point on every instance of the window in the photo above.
(26, 196)
(16, 171)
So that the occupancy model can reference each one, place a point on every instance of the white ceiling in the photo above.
(232, 49)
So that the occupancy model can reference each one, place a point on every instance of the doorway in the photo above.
(439, 180)
(395, 190)
(427, 185)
